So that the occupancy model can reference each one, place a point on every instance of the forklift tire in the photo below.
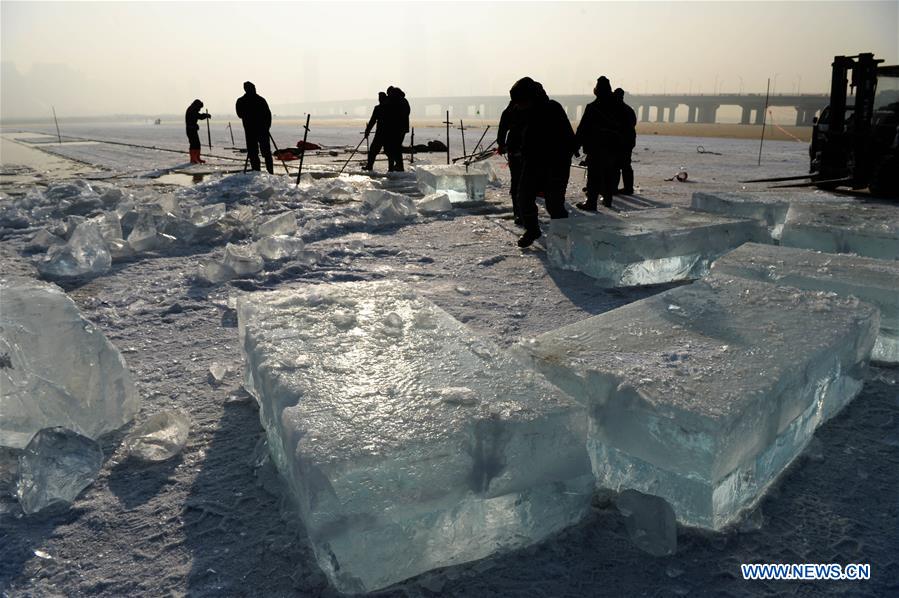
(885, 179)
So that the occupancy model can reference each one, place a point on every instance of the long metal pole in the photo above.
(277, 151)
(475, 151)
(447, 122)
(58, 136)
(764, 120)
(208, 130)
(462, 128)
(231, 131)
(412, 147)
(303, 150)
(351, 156)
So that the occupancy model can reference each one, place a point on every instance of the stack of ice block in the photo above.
(460, 183)
(703, 394)
(873, 281)
(646, 246)
(407, 442)
(867, 229)
(770, 208)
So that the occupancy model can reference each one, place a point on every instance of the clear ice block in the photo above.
(160, 437)
(867, 229)
(646, 246)
(84, 254)
(871, 280)
(279, 247)
(282, 224)
(55, 467)
(703, 394)
(435, 203)
(60, 370)
(769, 207)
(460, 184)
(242, 259)
(407, 442)
(387, 207)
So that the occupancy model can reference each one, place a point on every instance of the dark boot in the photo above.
(528, 238)
(587, 206)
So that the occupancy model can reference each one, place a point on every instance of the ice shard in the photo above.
(460, 184)
(160, 437)
(385, 207)
(242, 259)
(282, 224)
(768, 207)
(279, 247)
(55, 467)
(84, 254)
(407, 442)
(646, 246)
(702, 395)
(868, 229)
(57, 368)
(871, 280)
(435, 203)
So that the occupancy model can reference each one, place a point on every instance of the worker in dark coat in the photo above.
(508, 140)
(547, 144)
(396, 125)
(629, 139)
(253, 111)
(191, 117)
(377, 120)
(600, 135)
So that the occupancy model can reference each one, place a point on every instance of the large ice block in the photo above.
(873, 281)
(769, 207)
(646, 246)
(868, 229)
(84, 254)
(58, 370)
(407, 442)
(460, 184)
(703, 394)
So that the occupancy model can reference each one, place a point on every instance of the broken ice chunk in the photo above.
(55, 467)
(435, 203)
(212, 271)
(160, 437)
(282, 224)
(59, 370)
(867, 229)
(406, 452)
(758, 369)
(650, 522)
(84, 254)
(386, 207)
(279, 247)
(871, 280)
(207, 215)
(217, 372)
(460, 184)
(242, 259)
(646, 246)
(43, 240)
(144, 235)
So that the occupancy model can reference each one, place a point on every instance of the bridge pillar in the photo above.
(660, 114)
(671, 112)
(745, 114)
(691, 113)
(707, 113)
(759, 115)
(644, 114)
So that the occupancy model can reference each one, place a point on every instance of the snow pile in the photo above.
(407, 442)
(704, 394)
(60, 370)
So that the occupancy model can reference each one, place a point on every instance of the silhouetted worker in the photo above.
(376, 120)
(629, 141)
(599, 133)
(193, 135)
(252, 109)
(508, 139)
(396, 123)
(547, 145)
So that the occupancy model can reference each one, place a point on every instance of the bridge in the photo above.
(649, 107)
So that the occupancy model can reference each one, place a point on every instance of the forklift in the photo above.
(855, 144)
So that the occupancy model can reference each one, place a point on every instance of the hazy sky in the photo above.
(94, 58)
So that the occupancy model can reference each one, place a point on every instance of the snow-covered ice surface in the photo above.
(769, 207)
(704, 394)
(864, 228)
(409, 442)
(871, 280)
(646, 246)
(215, 521)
